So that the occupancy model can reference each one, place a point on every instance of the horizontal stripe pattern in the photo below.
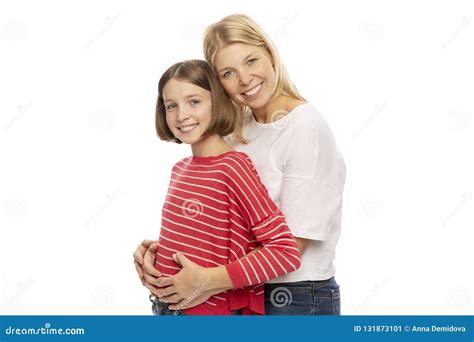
(216, 211)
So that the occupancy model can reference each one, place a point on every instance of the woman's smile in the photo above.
(253, 92)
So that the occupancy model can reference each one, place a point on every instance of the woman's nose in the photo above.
(245, 79)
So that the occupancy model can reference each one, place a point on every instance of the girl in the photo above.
(216, 210)
(296, 155)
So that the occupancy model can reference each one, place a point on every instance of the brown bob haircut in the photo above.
(198, 72)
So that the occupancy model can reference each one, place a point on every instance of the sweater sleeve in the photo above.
(279, 254)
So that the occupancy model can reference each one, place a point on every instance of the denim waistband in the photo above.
(303, 283)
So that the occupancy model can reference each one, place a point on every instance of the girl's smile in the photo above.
(188, 128)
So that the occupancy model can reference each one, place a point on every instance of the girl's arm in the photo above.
(277, 256)
(144, 260)
(148, 274)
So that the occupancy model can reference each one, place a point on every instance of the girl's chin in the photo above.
(190, 140)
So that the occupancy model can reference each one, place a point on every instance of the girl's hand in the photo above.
(199, 299)
(144, 258)
(188, 288)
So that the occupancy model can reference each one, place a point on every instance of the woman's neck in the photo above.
(276, 109)
(210, 146)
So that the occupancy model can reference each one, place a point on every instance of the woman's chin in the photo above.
(256, 103)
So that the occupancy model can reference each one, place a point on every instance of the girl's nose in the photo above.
(182, 115)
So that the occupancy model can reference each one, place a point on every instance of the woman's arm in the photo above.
(301, 244)
(314, 175)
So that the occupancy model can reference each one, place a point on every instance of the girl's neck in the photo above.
(275, 109)
(210, 146)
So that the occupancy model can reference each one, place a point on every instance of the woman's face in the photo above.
(188, 110)
(246, 73)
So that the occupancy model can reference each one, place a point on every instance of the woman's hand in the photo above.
(189, 287)
(144, 264)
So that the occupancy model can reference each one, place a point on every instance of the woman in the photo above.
(297, 158)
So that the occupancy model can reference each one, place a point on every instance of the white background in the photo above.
(83, 175)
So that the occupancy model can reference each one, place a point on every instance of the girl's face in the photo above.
(188, 110)
(246, 73)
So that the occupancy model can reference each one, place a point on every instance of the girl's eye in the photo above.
(252, 61)
(227, 74)
(170, 106)
(194, 102)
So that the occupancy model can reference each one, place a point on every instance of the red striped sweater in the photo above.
(216, 211)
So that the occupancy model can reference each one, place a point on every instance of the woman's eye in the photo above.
(252, 61)
(170, 106)
(194, 102)
(227, 74)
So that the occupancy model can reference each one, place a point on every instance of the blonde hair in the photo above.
(239, 28)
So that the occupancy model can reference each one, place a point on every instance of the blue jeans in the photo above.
(303, 298)
(161, 309)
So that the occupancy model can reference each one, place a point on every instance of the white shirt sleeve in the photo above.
(313, 181)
